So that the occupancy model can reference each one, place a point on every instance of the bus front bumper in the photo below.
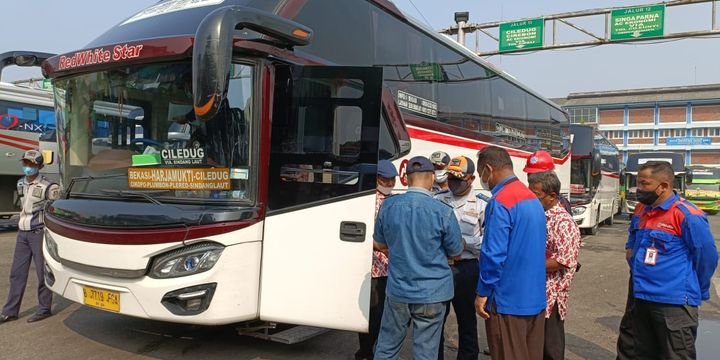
(227, 293)
(707, 205)
(581, 215)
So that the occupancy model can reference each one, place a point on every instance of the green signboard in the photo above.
(637, 23)
(524, 34)
(427, 72)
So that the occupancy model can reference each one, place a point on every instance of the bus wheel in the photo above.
(594, 230)
(611, 220)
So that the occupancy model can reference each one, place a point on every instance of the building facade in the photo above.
(678, 119)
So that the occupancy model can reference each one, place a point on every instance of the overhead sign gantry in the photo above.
(624, 24)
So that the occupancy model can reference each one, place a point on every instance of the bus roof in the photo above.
(25, 95)
(164, 20)
(634, 161)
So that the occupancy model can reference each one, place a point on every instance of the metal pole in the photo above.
(461, 19)
(461, 33)
(714, 15)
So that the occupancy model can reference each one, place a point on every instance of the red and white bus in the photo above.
(594, 179)
(27, 121)
(234, 180)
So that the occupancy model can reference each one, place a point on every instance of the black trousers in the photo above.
(626, 340)
(465, 276)
(554, 347)
(377, 305)
(27, 248)
(664, 331)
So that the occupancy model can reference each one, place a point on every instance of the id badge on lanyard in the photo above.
(651, 255)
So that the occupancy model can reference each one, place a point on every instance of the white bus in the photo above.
(27, 121)
(250, 195)
(594, 179)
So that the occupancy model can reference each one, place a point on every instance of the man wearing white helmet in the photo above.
(34, 191)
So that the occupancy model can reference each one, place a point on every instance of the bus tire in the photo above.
(594, 230)
(611, 219)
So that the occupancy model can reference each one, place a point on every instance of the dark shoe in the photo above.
(5, 318)
(38, 317)
(361, 356)
(486, 351)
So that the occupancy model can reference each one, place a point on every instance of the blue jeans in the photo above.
(427, 321)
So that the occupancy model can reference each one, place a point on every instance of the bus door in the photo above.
(317, 242)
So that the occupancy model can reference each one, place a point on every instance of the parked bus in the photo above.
(635, 160)
(703, 188)
(594, 178)
(250, 194)
(27, 120)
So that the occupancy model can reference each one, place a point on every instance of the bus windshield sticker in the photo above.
(170, 6)
(416, 104)
(239, 174)
(146, 159)
(183, 157)
(179, 178)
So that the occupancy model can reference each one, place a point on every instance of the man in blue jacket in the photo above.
(672, 256)
(511, 289)
(421, 233)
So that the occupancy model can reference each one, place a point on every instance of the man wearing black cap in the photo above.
(34, 191)
(421, 233)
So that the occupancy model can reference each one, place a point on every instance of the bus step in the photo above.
(286, 334)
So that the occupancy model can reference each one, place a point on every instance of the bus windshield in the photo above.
(580, 176)
(133, 129)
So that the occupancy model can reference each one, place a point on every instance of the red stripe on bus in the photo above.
(142, 236)
(18, 139)
(17, 146)
(612, 175)
(423, 134)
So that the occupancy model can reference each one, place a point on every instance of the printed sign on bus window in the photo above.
(183, 157)
(179, 178)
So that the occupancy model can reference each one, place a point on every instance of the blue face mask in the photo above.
(30, 171)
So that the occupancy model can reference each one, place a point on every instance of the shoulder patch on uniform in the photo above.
(483, 197)
(689, 208)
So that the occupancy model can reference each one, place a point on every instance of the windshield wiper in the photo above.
(126, 193)
(88, 178)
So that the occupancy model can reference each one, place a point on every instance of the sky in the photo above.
(63, 26)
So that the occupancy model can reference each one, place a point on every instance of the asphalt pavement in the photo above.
(597, 301)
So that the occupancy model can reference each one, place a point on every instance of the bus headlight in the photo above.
(189, 260)
(51, 246)
(578, 210)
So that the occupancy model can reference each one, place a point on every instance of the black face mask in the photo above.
(458, 186)
(648, 197)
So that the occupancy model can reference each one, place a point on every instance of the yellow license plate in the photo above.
(102, 299)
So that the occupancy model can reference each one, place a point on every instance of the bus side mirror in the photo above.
(213, 49)
(689, 178)
(22, 58)
(596, 163)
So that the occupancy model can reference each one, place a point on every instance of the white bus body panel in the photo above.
(470, 149)
(237, 275)
(309, 276)
(605, 200)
